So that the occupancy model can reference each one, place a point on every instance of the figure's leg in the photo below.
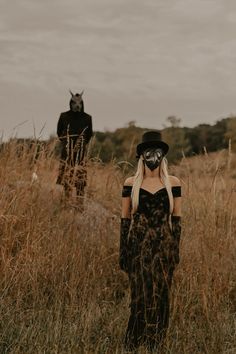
(136, 323)
(68, 180)
(151, 339)
(61, 172)
(157, 311)
(64, 177)
(80, 184)
(166, 280)
(68, 190)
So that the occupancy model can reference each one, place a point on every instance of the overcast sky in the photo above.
(136, 60)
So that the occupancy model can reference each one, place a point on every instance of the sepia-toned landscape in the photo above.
(81, 82)
(61, 287)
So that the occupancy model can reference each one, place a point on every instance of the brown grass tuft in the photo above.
(61, 288)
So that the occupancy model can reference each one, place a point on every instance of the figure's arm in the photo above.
(176, 216)
(90, 129)
(177, 207)
(125, 225)
(60, 128)
(126, 207)
(176, 185)
(126, 198)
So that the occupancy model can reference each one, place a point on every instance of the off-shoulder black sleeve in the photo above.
(176, 190)
(126, 191)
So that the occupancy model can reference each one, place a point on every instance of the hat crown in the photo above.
(151, 136)
(151, 139)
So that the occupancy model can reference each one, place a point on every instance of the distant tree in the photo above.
(120, 144)
(198, 138)
(132, 123)
(173, 121)
(176, 138)
(128, 138)
(102, 146)
(217, 138)
(231, 132)
(211, 137)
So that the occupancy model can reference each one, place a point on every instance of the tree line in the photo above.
(120, 145)
(183, 141)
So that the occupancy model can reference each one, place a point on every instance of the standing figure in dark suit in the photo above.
(74, 130)
(149, 242)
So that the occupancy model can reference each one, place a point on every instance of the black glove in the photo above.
(124, 232)
(176, 232)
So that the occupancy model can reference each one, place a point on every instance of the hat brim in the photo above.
(157, 144)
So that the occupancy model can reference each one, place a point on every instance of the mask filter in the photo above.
(153, 157)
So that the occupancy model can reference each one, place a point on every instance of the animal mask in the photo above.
(76, 102)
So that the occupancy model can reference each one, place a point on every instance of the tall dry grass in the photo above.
(61, 287)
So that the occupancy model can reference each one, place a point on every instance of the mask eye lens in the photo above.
(147, 154)
(151, 153)
(159, 153)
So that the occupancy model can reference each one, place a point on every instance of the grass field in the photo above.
(61, 287)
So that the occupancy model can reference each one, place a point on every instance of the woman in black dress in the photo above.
(149, 242)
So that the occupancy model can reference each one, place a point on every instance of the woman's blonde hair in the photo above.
(138, 179)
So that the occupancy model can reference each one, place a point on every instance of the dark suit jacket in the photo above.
(71, 125)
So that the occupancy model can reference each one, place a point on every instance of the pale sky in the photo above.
(136, 60)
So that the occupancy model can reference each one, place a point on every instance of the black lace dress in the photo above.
(153, 253)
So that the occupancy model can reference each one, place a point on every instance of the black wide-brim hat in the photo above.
(151, 139)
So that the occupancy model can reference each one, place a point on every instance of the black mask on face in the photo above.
(153, 157)
(76, 102)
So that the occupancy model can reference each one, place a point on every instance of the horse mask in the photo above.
(76, 102)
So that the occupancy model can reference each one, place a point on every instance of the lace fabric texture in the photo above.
(152, 255)
(124, 232)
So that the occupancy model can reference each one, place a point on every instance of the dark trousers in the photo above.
(72, 175)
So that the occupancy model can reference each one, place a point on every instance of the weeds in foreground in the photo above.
(61, 287)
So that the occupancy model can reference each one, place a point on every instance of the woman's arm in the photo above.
(176, 217)
(126, 207)
(175, 182)
(177, 206)
(126, 200)
(125, 225)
